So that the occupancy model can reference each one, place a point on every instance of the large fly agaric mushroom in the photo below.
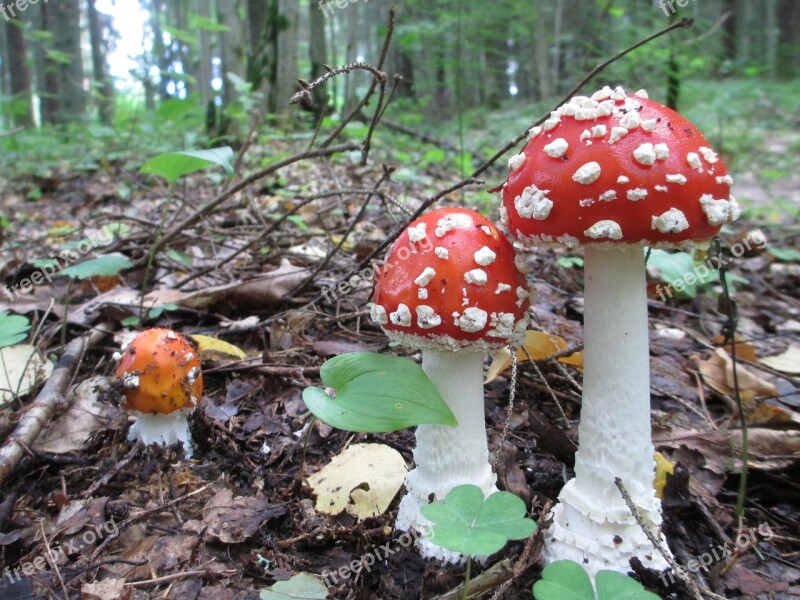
(614, 172)
(162, 382)
(451, 286)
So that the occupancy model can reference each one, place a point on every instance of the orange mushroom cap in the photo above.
(160, 373)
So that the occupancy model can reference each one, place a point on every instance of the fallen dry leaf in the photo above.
(108, 589)
(214, 348)
(538, 345)
(744, 350)
(787, 362)
(22, 367)
(233, 520)
(718, 374)
(362, 480)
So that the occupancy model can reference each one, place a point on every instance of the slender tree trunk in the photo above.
(105, 90)
(351, 79)
(231, 47)
(203, 72)
(319, 57)
(542, 48)
(286, 73)
(46, 69)
(19, 74)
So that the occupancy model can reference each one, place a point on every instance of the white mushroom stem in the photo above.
(165, 430)
(592, 524)
(449, 456)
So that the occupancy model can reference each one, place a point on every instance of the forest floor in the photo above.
(238, 516)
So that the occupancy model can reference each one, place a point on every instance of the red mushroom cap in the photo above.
(616, 168)
(451, 280)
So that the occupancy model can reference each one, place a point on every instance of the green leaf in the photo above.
(172, 165)
(13, 329)
(674, 267)
(785, 254)
(617, 586)
(110, 264)
(376, 393)
(563, 580)
(466, 523)
(302, 586)
(568, 262)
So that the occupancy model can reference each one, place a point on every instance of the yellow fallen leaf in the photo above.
(538, 345)
(663, 468)
(787, 362)
(213, 348)
(718, 374)
(744, 350)
(362, 480)
(22, 367)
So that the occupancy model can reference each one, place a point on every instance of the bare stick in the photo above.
(49, 401)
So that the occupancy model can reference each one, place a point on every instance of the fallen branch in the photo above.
(48, 403)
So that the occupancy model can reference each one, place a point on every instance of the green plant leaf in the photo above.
(466, 523)
(110, 264)
(302, 586)
(172, 165)
(376, 393)
(618, 586)
(563, 580)
(785, 254)
(13, 329)
(674, 267)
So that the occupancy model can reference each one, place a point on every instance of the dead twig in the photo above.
(49, 401)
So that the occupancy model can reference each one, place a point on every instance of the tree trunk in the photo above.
(203, 72)
(286, 72)
(46, 69)
(318, 55)
(105, 89)
(67, 41)
(351, 79)
(231, 47)
(19, 75)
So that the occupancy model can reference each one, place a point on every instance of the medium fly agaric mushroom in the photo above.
(162, 382)
(452, 286)
(614, 172)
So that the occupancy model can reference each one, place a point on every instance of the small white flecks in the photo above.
(474, 319)
(533, 203)
(727, 179)
(645, 154)
(451, 222)
(570, 241)
(608, 196)
(171, 335)
(662, 151)
(116, 356)
(476, 276)
(586, 114)
(521, 264)
(617, 133)
(648, 125)
(192, 375)
(631, 120)
(586, 202)
(130, 381)
(636, 194)
(557, 148)
(606, 108)
(618, 94)
(602, 94)
(694, 161)
(441, 252)
(464, 292)
(734, 210)
(605, 229)
(189, 356)
(672, 221)
(427, 317)
(676, 178)
(516, 162)
(502, 325)
(465, 302)
(641, 94)
(585, 134)
(716, 210)
(587, 174)
(422, 293)
(378, 314)
(417, 233)
(522, 295)
(502, 287)
(484, 257)
(487, 230)
(599, 131)
(622, 180)
(425, 277)
(550, 123)
(708, 155)
(401, 317)
(533, 132)
(660, 188)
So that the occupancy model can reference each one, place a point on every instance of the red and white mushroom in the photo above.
(452, 287)
(614, 172)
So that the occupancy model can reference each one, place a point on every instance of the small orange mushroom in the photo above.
(162, 382)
